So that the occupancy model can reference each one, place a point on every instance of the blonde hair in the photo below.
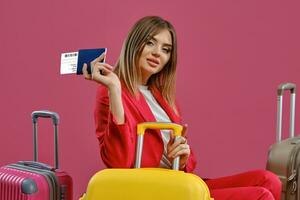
(127, 66)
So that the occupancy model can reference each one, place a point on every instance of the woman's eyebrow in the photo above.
(164, 44)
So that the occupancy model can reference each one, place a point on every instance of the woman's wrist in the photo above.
(115, 86)
(114, 90)
(116, 105)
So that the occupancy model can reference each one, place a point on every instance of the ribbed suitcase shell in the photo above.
(13, 180)
(44, 184)
(146, 184)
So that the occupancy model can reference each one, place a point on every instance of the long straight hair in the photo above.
(127, 66)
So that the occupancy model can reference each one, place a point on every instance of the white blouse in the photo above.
(160, 116)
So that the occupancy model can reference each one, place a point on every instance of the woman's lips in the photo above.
(152, 62)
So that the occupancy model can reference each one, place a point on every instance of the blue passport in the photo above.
(87, 56)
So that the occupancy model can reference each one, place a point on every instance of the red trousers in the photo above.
(253, 185)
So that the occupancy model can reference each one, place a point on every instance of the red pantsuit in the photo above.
(117, 148)
(259, 184)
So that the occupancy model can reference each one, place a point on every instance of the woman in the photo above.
(142, 88)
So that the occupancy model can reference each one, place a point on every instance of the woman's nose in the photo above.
(155, 52)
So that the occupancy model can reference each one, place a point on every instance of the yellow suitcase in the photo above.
(147, 183)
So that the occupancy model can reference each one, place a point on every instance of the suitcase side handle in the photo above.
(280, 90)
(36, 165)
(55, 118)
(142, 127)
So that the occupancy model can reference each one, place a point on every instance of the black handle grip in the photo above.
(36, 165)
(45, 114)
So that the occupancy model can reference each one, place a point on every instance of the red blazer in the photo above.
(118, 142)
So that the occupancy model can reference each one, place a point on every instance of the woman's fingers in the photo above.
(105, 65)
(178, 147)
(182, 149)
(98, 59)
(96, 69)
(85, 72)
(178, 141)
(101, 69)
(171, 141)
(102, 73)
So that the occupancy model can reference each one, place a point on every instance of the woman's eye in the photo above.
(150, 43)
(166, 50)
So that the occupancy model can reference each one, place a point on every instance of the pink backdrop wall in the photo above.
(232, 56)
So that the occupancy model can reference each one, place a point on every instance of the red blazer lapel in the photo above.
(141, 106)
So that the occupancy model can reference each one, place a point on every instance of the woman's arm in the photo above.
(112, 129)
(116, 105)
(116, 141)
(103, 73)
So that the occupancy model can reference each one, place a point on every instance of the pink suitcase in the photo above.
(32, 180)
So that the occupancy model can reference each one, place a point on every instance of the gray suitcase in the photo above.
(284, 156)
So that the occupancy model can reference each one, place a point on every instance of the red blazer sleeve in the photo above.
(116, 142)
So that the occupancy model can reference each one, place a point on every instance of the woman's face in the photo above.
(155, 55)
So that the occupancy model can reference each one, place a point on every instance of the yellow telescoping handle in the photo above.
(142, 127)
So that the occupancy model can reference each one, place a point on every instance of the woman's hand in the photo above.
(102, 73)
(180, 148)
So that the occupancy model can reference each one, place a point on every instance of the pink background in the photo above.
(232, 56)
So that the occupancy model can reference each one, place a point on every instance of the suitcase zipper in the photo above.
(293, 174)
